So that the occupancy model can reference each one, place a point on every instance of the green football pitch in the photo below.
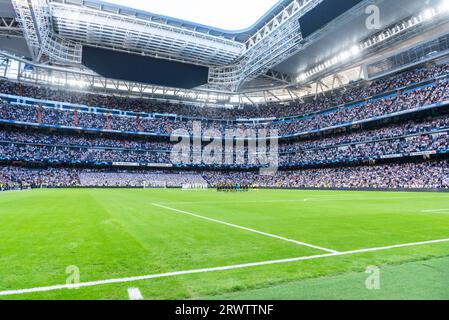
(267, 244)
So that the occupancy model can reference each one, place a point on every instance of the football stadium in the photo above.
(224, 150)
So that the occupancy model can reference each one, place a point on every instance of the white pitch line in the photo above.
(246, 229)
(134, 294)
(436, 211)
(206, 270)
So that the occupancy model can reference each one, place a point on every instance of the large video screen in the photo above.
(324, 13)
(142, 69)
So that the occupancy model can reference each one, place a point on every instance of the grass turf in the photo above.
(414, 280)
(120, 233)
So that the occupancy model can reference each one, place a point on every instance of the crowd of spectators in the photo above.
(431, 144)
(82, 140)
(437, 92)
(353, 92)
(77, 147)
(406, 78)
(89, 140)
(426, 175)
(391, 131)
(49, 154)
(359, 92)
(12, 178)
(438, 143)
(400, 139)
(139, 179)
(423, 96)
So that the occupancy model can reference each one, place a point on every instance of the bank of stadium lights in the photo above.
(78, 83)
(343, 56)
(69, 82)
(426, 15)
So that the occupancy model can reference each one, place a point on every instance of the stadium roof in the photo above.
(273, 58)
(225, 16)
(348, 32)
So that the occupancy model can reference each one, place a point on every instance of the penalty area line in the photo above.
(304, 244)
(206, 270)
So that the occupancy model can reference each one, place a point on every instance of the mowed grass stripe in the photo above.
(207, 270)
(357, 220)
(246, 229)
(430, 282)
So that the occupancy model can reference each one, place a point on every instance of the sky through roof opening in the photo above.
(232, 15)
